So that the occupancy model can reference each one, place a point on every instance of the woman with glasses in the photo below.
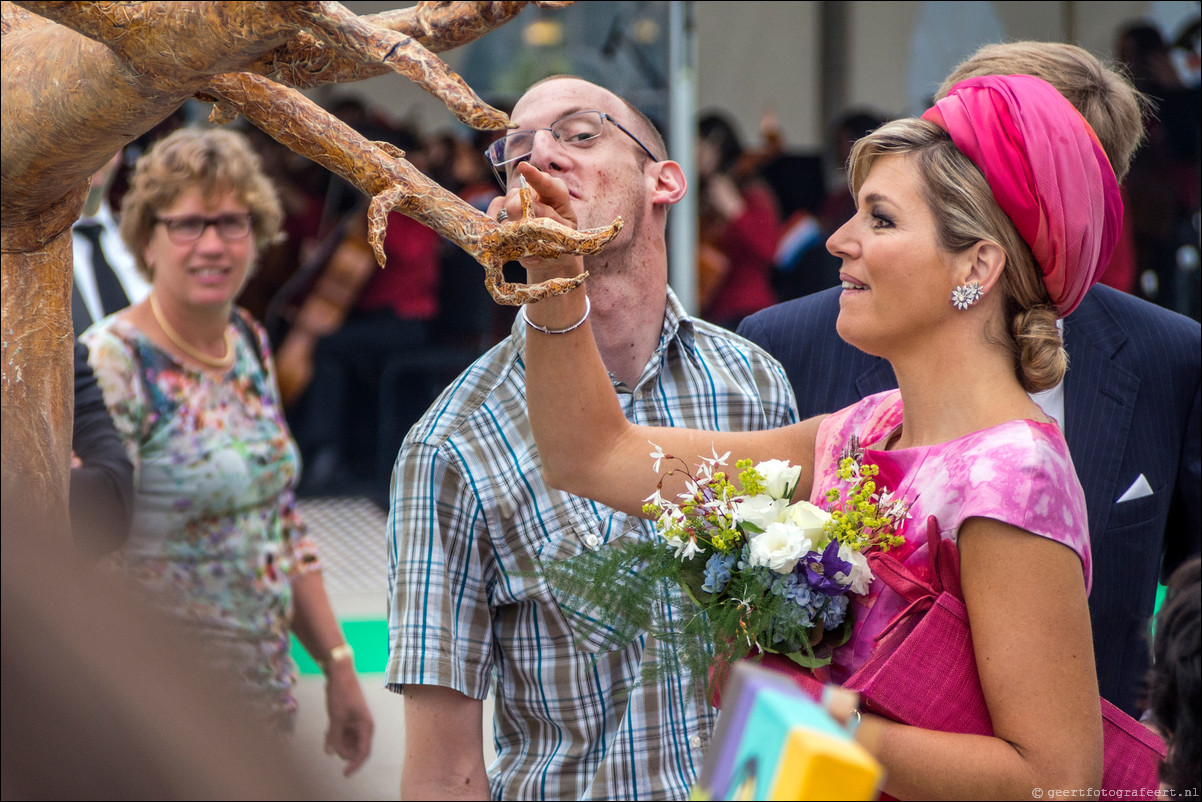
(216, 541)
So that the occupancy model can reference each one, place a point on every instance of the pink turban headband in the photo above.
(1047, 171)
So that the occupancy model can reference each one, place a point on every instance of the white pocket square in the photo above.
(1139, 488)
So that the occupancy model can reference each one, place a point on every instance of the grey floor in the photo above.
(350, 536)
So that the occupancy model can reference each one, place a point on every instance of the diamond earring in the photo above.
(966, 295)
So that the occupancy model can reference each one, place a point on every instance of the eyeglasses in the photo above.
(183, 230)
(574, 130)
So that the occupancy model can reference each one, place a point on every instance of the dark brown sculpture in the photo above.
(82, 79)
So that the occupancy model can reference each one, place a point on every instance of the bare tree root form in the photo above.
(83, 79)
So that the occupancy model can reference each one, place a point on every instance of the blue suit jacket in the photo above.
(1131, 400)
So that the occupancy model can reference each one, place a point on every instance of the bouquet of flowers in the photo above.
(759, 572)
(770, 574)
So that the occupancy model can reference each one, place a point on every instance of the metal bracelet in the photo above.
(588, 307)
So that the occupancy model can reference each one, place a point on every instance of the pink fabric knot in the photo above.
(1048, 173)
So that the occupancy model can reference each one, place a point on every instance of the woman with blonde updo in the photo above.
(976, 227)
(216, 541)
(964, 214)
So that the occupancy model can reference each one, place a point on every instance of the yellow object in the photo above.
(814, 765)
(773, 741)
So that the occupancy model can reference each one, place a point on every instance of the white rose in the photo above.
(779, 547)
(861, 575)
(759, 511)
(779, 477)
(809, 519)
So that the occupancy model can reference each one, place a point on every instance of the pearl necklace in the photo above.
(222, 362)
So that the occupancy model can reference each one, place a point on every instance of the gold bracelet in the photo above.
(342, 651)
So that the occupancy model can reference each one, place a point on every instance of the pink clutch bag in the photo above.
(923, 672)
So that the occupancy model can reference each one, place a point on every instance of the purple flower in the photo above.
(821, 572)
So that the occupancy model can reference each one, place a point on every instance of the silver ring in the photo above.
(502, 216)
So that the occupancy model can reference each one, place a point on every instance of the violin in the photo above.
(324, 309)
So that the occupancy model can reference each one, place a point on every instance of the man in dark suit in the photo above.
(106, 280)
(1129, 404)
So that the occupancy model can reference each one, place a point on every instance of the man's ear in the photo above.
(670, 183)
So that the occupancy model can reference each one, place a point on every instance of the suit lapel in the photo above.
(1099, 401)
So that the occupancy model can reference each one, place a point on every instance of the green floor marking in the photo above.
(369, 639)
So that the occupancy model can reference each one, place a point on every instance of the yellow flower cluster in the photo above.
(866, 519)
(750, 479)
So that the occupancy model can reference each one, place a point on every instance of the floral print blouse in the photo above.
(216, 537)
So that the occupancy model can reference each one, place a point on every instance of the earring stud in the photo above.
(966, 295)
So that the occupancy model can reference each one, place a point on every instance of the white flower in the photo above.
(657, 455)
(779, 547)
(861, 575)
(898, 511)
(655, 498)
(684, 548)
(670, 518)
(779, 477)
(715, 460)
(759, 511)
(808, 518)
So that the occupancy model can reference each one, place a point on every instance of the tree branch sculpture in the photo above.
(83, 79)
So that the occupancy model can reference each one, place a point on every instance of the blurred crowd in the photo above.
(766, 210)
(362, 352)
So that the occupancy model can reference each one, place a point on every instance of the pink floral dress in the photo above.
(1019, 472)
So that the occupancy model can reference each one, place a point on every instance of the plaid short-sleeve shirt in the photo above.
(470, 524)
